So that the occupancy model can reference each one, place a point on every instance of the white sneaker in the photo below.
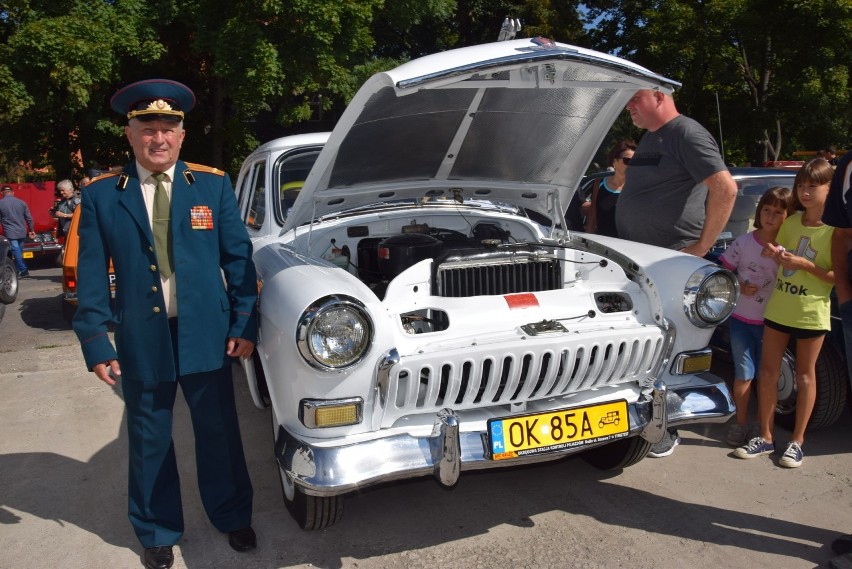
(793, 456)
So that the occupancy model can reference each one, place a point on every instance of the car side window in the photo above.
(292, 170)
(257, 196)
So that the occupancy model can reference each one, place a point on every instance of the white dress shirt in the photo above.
(149, 186)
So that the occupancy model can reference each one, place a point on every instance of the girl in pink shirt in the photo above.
(756, 274)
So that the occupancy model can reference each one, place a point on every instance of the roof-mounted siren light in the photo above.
(510, 28)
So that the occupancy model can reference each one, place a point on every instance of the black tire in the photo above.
(314, 512)
(310, 512)
(2, 311)
(8, 282)
(832, 389)
(619, 454)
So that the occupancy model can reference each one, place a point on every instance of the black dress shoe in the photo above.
(159, 557)
(242, 539)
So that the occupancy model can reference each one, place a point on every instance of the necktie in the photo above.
(162, 228)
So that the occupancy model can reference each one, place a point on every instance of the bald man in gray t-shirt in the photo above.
(678, 192)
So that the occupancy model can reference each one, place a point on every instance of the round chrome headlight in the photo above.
(710, 296)
(335, 332)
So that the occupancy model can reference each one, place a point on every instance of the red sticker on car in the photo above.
(526, 300)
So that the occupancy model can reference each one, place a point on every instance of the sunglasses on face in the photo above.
(624, 159)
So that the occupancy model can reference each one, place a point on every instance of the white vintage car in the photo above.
(422, 310)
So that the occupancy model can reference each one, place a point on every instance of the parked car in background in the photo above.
(790, 164)
(69, 268)
(422, 309)
(41, 199)
(8, 276)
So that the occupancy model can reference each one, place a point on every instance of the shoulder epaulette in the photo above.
(203, 168)
(105, 176)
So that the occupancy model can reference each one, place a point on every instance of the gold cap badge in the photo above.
(158, 107)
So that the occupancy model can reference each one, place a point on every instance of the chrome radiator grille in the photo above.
(502, 277)
(486, 376)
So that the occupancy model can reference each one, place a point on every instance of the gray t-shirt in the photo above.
(663, 200)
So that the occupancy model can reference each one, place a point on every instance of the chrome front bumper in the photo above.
(329, 471)
(38, 248)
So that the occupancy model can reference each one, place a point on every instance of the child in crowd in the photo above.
(798, 308)
(756, 274)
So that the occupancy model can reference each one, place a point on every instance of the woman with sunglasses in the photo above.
(601, 219)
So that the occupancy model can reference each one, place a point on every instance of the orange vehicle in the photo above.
(69, 268)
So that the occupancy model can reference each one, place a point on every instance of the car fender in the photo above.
(665, 271)
(290, 284)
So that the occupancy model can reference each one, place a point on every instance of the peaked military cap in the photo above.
(154, 99)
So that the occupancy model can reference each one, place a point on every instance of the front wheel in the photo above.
(8, 281)
(310, 512)
(619, 454)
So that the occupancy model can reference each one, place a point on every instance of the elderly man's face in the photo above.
(156, 144)
(644, 107)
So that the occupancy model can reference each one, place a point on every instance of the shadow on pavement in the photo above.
(56, 487)
(44, 313)
(386, 520)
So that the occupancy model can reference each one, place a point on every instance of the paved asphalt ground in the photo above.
(63, 490)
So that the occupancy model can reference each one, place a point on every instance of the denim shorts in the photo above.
(746, 341)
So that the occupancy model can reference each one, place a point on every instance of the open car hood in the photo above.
(515, 122)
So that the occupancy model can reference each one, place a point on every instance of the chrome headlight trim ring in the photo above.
(710, 296)
(316, 316)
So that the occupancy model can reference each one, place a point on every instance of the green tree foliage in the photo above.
(56, 57)
(780, 69)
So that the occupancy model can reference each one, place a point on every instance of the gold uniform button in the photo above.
(156, 309)
(153, 267)
(150, 248)
(154, 289)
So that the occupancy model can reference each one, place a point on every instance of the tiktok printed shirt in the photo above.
(744, 258)
(800, 299)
